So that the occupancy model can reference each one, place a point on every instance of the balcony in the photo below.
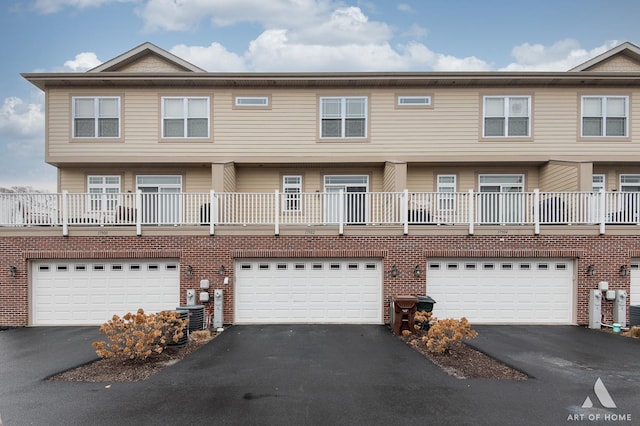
(332, 209)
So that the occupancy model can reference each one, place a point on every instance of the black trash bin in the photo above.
(425, 303)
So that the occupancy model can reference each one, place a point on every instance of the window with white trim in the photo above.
(343, 117)
(597, 182)
(446, 189)
(252, 101)
(506, 116)
(96, 117)
(103, 192)
(292, 188)
(605, 116)
(629, 183)
(185, 117)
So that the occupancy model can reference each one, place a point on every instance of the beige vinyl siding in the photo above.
(394, 177)
(288, 132)
(193, 179)
(268, 179)
(557, 177)
(229, 178)
(423, 178)
(555, 117)
(150, 63)
(617, 64)
(612, 174)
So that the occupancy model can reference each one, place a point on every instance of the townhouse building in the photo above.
(317, 197)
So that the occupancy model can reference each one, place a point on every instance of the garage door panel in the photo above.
(502, 291)
(308, 291)
(90, 293)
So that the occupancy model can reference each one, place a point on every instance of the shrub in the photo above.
(422, 320)
(139, 336)
(445, 335)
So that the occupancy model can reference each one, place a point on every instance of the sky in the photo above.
(286, 35)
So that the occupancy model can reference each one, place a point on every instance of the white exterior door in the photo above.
(341, 291)
(160, 199)
(352, 207)
(90, 292)
(500, 199)
(502, 291)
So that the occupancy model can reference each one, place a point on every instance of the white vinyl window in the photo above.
(629, 183)
(446, 190)
(343, 117)
(252, 101)
(292, 188)
(103, 192)
(185, 117)
(507, 116)
(96, 117)
(605, 116)
(597, 182)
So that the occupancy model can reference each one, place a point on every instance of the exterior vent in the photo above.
(185, 336)
(196, 316)
(634, 315)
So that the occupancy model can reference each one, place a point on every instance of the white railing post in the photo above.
(212, 209)
(65, 213)
(138, 212)
(536, 211)
(404, 214)
(276, 212)
(341, 212)
(602, 206)
(470, 213)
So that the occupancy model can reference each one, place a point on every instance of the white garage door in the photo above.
(502, 291)
(90, 292)
(293, 291)
(634, 296)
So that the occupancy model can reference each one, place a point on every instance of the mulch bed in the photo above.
(113, 370)
(465, 362)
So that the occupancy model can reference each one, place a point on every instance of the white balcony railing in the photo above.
(329, 208)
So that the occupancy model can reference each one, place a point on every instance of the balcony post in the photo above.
(470, 214)
(602, 213)
(404, 206)
(138, 212)
(213, 208)
(276, 212)
(65, 213)
(341, 212)
(536, 211)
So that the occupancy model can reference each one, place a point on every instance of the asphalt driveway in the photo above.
(323, 374)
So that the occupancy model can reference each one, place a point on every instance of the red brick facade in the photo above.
(207, 253)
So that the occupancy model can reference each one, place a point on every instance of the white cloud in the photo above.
(20, 119)
(82, 62)
(345, 26)
(211, 58)
(183, 16)
(416, 31)
(22, 144)
(403, 7)
(560, 56)
(53, 6)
